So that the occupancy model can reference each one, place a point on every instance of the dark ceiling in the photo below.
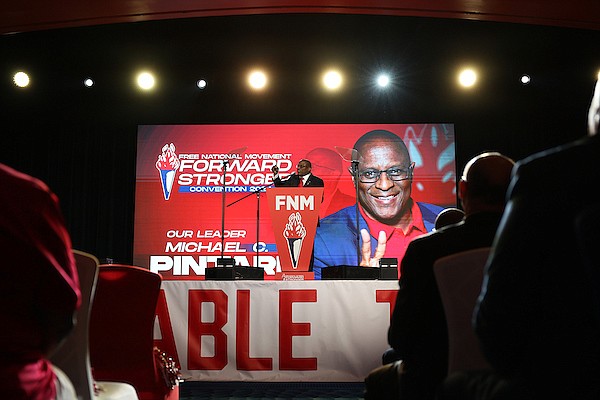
(33, 15)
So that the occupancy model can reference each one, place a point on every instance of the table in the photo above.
(327, 331)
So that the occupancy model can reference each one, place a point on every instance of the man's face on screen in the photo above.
(385, 200)
(303, 168)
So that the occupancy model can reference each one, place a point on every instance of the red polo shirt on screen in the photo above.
(397, 240)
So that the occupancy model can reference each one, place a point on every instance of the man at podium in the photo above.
(302, 178)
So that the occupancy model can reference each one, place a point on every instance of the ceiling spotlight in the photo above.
(383, 80)
(257, 80)
(88, 82)
(145, 80)
(467, 78)
(21, 79)
(332, 80)
(525, 79)
(201, 84)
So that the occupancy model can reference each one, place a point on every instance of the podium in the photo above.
(294, 218)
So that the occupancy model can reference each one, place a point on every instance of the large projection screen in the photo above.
(181, 212)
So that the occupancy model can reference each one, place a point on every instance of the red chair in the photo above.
(73, 356)
(121, 332)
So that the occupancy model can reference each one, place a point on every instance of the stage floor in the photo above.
(271, 390)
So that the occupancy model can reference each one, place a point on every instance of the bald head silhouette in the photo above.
(484, 182)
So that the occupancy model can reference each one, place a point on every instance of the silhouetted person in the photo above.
(448, 216)
(418, 333)
(39, 289)
(536, 318)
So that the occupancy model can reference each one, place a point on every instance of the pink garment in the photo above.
(39, 286)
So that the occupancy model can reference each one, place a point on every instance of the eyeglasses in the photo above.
(395, 173)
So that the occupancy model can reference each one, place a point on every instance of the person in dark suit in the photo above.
(303, 176)
(536, 319)
(418, 334)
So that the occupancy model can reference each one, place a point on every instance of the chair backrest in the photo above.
(122, 325)
(459, 277)
(73, 356)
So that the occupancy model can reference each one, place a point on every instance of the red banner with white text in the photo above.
(200, 189)
(322, 331)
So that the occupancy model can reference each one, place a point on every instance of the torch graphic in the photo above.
(294, 232)
(167, 165)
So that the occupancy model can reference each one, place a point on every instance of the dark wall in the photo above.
(82, 141)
